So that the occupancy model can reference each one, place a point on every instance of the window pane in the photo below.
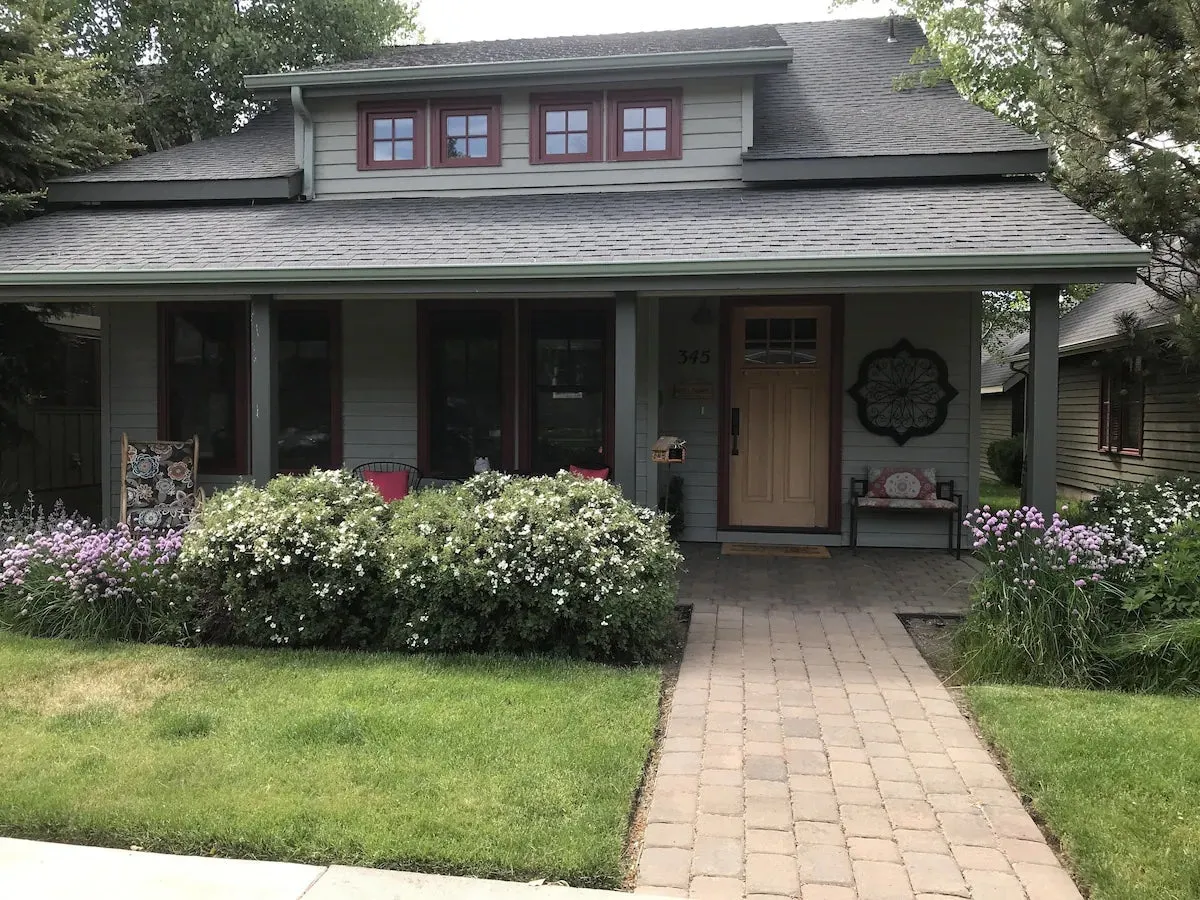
(781, 330)
(477, 148)
(466, 396)
(383, 129)
(756, 329)
(456, 126)
(383, 151)
(656, 140)
(577, 143)
(577, 120)
(634, 117)
(202, 380)
(477, 125)
(656, 117)
(456, 148)
(556, 144)
(304, 389)
(404, 150)
(806, 329)
(556, 120)
(633, 141)
(404, 128)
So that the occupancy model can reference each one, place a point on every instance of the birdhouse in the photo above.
(669, 449)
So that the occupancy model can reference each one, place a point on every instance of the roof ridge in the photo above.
(567, 37)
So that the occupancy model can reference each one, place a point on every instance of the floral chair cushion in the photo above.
(896, 483)
(160, 484)
(903, 503)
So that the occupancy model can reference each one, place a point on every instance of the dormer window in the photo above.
(645, 125)
(468, 133)
(565, 128)
(391, 136)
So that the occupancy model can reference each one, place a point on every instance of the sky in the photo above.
(482, 20)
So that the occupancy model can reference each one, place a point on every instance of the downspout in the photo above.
(305, 154)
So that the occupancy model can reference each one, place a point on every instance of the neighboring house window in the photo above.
(565, 128)
(468, 133)
(308, 392)
(391, 136)
(645, 125)
(202, 384)
(1122, 397)
(77, 374)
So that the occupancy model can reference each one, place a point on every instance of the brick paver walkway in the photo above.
(811, 752)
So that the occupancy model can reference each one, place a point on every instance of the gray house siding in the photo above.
(995, 424)
(713, 142)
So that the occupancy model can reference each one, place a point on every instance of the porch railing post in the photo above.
(625, 394)
(1041, 420)
(263, 451)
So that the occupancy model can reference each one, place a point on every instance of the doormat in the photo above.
(774, 550)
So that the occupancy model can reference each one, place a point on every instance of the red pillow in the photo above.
(391, 485)
(601, 474)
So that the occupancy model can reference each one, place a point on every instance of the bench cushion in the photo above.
(906, 503)
(899, 483)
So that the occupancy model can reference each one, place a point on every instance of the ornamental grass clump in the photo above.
(558, 565)
(71, 578)
(1050, 593)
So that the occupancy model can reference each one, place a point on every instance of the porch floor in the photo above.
(811, 752)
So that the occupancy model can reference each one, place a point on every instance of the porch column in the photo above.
(263, 450)
(1041, 419)
(625, 394)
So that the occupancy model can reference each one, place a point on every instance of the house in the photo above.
(1001, 397)
(1126, 412)
(552, 251)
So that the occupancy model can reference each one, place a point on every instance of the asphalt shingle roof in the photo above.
(706, 225)
(574, 47)
(996, 369)
(838, 98)
(1095, 319)
(263, 148)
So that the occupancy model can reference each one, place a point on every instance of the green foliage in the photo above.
(1145, 511)
(181, 62)
(1168, 586)
(1160, 656)
(1007, 458)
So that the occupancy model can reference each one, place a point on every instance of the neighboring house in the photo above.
(1122, 415)
(552, 251)
(1002, 398)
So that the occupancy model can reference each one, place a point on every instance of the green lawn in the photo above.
(997, 495)
(1116, 776)
(489, 767)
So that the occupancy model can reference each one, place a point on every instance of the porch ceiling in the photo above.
(1015, 226)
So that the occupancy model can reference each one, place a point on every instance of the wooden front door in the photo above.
(779, 419)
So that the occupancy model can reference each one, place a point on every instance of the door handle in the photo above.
(735, 429)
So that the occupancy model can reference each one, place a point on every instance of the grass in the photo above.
(999, 496)
(1115, 776)
(479, 766)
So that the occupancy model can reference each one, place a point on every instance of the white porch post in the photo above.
(1041, 420)
(263, 451)
(624, 452)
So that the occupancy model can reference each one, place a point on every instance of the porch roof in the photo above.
(1017, 226)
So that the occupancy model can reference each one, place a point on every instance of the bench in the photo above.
(907, 490)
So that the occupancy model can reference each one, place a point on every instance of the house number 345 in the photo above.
(694, 357)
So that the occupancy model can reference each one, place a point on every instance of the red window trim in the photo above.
(489, 106)
(241, 420)
(368, 112)
(1107, 382)
(337, 449)
(672, 98)
(540, 104)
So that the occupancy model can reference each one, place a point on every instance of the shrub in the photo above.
(1145, 511)
(562, 565)
(1007, 458)
(74, 579)
(1049, 595)
(298, 563)
(1168, 585)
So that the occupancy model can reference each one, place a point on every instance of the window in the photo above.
(781, 342)
(468, 133)
(564, 128)
(645, 125)
(307, 392)
(391, 136)
(203, 382)
(76, 374)
(1122, 396)
(570, 390)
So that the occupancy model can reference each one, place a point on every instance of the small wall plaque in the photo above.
(693, 390)
(669, 449)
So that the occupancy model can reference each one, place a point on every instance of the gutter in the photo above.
(768, 59)
(304, 158)
(1022, 264)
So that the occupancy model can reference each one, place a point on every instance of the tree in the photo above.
(181, 62)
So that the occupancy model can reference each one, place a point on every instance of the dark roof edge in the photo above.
(277, 187)
(913, 165)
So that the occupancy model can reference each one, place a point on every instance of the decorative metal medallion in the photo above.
(903, 392)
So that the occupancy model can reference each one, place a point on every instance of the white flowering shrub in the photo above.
(297, 563)
(1145, 512)
(560, 565)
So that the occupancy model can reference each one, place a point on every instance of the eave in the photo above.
(212, 190)
(889, 167)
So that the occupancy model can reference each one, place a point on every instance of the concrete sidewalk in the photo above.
(33, 870)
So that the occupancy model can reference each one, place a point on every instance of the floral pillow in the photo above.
(896, 483)
(160, 483)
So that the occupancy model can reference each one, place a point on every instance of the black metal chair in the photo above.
(386, 465)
